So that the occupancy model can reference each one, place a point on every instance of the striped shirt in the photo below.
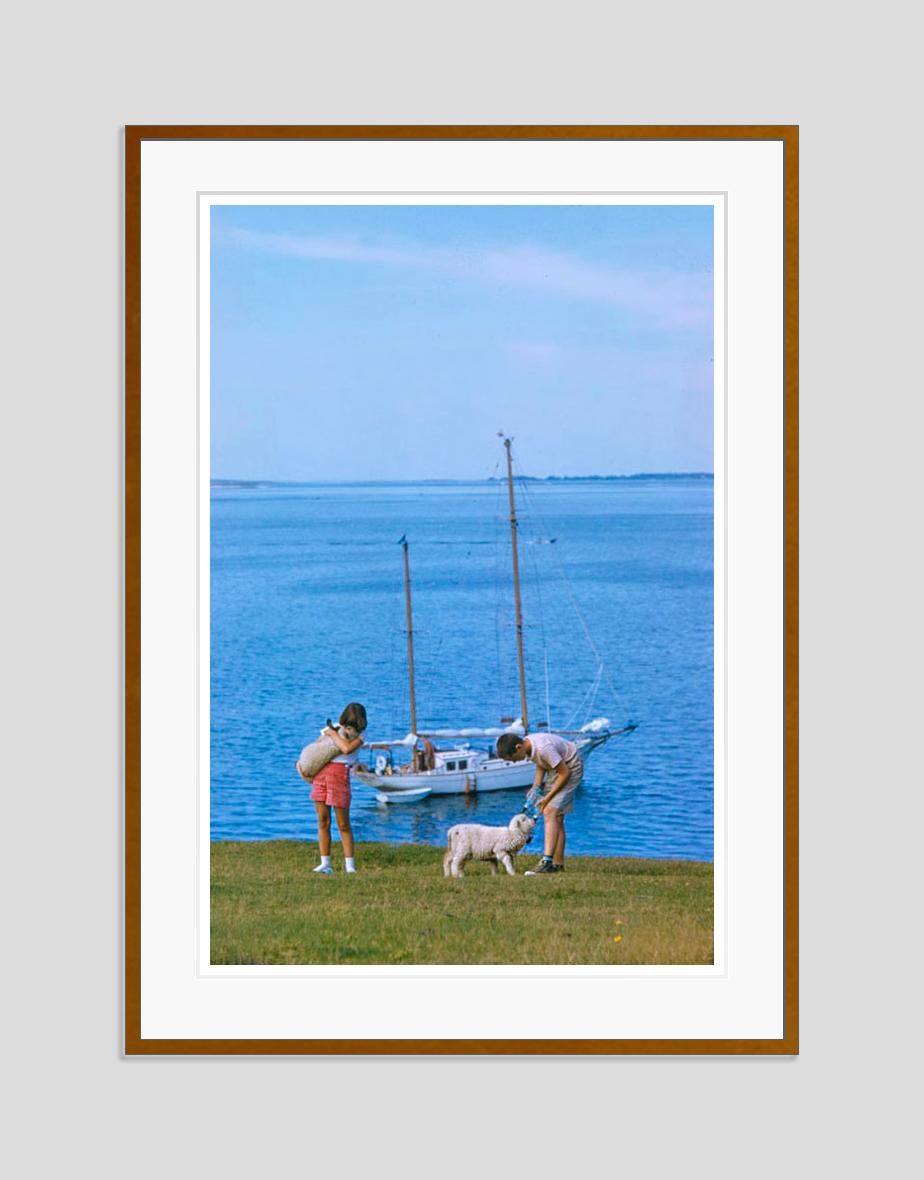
(548, 750)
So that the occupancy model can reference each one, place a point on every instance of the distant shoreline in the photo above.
(397, 483)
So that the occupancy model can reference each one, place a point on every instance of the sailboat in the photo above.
(414, 767)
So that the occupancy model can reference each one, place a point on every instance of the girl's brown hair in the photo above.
(354, 714)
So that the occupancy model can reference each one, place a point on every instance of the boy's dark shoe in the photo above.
(544, 866)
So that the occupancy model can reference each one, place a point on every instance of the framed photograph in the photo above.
(461, 590)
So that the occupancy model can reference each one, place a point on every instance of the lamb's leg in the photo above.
(450, 853)
(458, 866)
(507, 862)
(493, 863)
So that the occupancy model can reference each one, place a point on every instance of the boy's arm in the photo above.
(537, 782)
(341, 743)
(564, 773)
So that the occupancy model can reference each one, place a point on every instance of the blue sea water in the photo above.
(307, 614)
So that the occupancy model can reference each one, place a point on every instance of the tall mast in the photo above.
(516, 587)
(410, 633)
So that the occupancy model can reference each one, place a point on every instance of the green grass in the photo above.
(269, 907)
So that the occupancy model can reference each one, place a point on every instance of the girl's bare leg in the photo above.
(323, 827)
(344, 828)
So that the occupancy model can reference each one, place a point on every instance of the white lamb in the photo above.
(479, 842)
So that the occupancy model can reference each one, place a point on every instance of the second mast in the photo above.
(516, 587)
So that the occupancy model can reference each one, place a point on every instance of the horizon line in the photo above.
(261, 482)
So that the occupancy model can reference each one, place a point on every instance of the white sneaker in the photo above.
(323, 869)
(349, 870)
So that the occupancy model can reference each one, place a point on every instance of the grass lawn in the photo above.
(269, 907)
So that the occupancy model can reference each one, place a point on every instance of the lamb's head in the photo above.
(523, 825)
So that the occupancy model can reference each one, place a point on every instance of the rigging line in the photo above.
(592, 693)
(393, 665)
(587, 701)
(538, 583)
(500, 585)
(505, 600)
(403, 679)
(548, 707)
(593, 696)
(527, 500)
(581, 707)
(617, 696)
(580, 614)
(501, 685)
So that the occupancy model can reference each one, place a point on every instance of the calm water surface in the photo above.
(307, 613)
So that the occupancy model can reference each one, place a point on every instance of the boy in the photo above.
(553, 756)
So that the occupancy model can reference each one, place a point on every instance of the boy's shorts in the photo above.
(563, 802)
(331, 785)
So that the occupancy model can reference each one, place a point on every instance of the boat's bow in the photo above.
(589, 740)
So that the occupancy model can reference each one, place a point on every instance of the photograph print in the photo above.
(461, 589)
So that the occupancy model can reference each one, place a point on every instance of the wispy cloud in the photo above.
(614, 366)
(672, 297)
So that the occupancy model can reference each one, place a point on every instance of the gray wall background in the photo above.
(73, 76)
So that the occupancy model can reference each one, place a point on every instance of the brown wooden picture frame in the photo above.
(134, 1043)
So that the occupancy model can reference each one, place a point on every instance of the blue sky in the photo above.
(394, 342)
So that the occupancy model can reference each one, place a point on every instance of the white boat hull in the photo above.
(493, 775)
(506, 776)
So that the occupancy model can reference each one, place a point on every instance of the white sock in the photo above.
(325, 864)
(349, 864)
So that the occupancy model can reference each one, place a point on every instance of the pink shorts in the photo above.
(332, 785)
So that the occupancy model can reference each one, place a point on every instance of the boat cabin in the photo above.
(461, 759)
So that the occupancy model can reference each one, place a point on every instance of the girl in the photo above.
(331, 788)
